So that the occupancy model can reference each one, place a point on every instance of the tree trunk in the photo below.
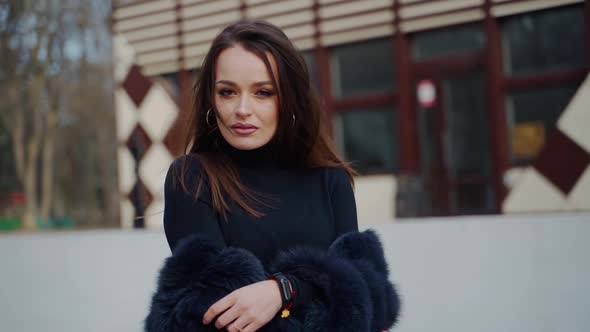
(47, 164)
(30, 187)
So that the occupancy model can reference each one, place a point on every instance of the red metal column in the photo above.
(322, 60)
(497, 112)
(408, 120)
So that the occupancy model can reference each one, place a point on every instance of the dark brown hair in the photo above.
(303, 143)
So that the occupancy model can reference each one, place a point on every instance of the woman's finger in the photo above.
(218, 308)
(227, 317)
(241, 324)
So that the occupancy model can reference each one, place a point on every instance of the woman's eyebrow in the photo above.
(230, 83)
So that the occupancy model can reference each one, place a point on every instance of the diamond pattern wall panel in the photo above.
(145, 113)
(154, 214)
(124, 56)
(127, 172)
(579, 197)
(559, 179)
(157, 113)
(126, 115)
(534, 193)
(152, 170)
(127, 213)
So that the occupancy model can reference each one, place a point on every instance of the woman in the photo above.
(260, 213)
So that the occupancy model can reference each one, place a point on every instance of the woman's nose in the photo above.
(243, 108)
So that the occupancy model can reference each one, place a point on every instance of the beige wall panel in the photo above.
(160, 30)
(160, 43)
(167, 55)
(436, 7)
(279, 7)
(211, 20)
(254, 2)
(126, 115)
(209, 7)
(194, 62)
(123, 57)
(146, 21)
(579, 197)
(201, 36)
(190, 2)
(575, 119)
(160, 68)
(196, 50)
(442, 20)
(375, 198)
(153, 167)
(157, 113)
(385, 17)
(305, 16)
(534, 193)
(526, 6)
(300, 31)
(126, 164)
(357, 35)
(403, 2)
(305, 44)
(154, 214)
(143, 8)
(353, 7)
(326, 2)
(127, 212)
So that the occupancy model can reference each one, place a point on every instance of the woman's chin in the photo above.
(246, 143)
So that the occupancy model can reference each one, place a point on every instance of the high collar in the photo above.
(265, 157)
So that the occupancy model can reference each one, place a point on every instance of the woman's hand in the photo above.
(246, 309)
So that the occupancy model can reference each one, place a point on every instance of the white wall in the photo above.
(516, 273)
(375, 198)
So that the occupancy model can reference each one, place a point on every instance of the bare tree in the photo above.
(45, 70)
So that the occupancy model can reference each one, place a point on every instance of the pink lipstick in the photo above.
(244, 128)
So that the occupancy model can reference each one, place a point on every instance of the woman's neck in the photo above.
(264, 157)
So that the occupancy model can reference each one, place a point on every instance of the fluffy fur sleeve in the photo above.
(197, 275)
(352, 280)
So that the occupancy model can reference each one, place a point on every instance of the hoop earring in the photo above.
(293, 120)
(207, 117)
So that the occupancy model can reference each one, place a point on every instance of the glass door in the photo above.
(455, 150)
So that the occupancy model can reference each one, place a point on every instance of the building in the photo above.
(446, 107)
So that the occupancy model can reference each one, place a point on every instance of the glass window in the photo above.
(368, 139)
(170, 83)
(362, 68)
(546, 40)
(466, 132)
(312, 68)
(447, 41)
(533, 117)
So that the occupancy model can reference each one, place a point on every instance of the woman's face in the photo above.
(245, 99)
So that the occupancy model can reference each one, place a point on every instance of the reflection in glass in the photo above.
(532, 117)
(312, 68)
(368, 139)
(447, 41)
(546, 40)
(362, 68)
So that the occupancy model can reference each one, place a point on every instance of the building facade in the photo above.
(446, 108)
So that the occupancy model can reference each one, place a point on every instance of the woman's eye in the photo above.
(265, 93)
(225, 92)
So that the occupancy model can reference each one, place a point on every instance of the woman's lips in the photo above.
(244, 129)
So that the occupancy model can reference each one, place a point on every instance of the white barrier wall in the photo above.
(517, 273)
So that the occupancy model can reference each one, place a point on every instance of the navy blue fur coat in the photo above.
(354, 294)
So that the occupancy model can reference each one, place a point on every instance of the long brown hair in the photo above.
(301, 137)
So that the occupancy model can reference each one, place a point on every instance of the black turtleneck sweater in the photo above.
(309, 207)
